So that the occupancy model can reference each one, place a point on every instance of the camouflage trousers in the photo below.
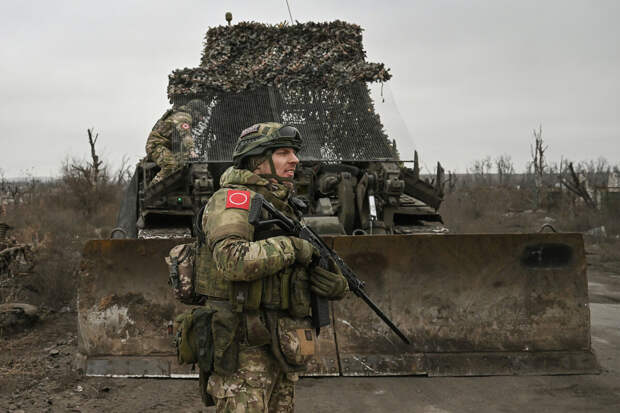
(258, 385)
(167, 161)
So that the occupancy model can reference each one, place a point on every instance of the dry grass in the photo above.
(485, 209)
(56, 218)
(488, 208)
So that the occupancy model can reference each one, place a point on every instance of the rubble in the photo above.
(15, 316)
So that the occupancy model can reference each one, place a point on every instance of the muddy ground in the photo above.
(37, 375)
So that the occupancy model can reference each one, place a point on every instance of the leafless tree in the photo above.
(570, 179)
(15, 191)
(93, 172)
(450, 182)
(124, 172)
(596, 172)
(538, 163)
(480, 170)
(96, 163)
(3, 183)
(505, 168)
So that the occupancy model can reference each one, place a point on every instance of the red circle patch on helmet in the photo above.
(185, 126)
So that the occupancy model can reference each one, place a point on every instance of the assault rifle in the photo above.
(320, 308)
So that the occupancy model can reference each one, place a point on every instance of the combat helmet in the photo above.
(196, 108)
(259, 141)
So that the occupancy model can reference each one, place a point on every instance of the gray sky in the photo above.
(470, 78)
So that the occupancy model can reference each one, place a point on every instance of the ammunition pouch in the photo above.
(293, 341)
(299, 294)
(246, 296)
(287, 291)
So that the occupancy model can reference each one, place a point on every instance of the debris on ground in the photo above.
(15, 258)
(16, 316)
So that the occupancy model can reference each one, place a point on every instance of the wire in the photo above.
(289, 12)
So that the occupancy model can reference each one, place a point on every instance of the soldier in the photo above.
(261, 282)
(170, 143)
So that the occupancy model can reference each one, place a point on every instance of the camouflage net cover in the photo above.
(250, 55)
(337, 124)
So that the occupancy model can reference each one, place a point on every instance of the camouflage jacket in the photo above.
(172, 134)
(230, 236)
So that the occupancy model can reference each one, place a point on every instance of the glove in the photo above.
(305, 252)
(328, 284)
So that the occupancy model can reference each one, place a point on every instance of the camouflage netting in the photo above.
(312, 76)
(336, 124)
(250, 55)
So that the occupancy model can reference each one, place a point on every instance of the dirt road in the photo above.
(36, 375)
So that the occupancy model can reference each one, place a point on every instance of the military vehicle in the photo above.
(471, 304)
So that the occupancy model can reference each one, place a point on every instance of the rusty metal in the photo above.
(471, 305)
(461, 298)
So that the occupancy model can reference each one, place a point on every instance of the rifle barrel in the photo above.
(386, 320)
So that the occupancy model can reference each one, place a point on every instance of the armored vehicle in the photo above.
(471, 304)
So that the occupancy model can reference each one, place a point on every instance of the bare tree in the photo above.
(480, 170)
(451, 181)
(596, 172)
(92, 172)
(96, 163)
(576, 185)
(124, 172)
(3, 182)
(505, 168)
(88, 182)
(538, 163)
(15, 191)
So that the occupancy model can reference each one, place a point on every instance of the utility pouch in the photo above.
(225, 325)
(246, 296)
(194, 340)
(294, 342)
(299, 304)
(180, 262)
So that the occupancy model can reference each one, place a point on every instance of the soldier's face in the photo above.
(284, 160)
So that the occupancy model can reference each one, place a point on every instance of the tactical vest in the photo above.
(288, 289)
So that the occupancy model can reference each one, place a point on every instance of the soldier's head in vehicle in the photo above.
(196, 108)
(269, 150)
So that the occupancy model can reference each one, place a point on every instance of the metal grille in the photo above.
(336, 124)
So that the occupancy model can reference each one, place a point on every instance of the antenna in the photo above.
(289, 12)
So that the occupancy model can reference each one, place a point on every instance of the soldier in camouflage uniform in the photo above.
(261, 281)
(170, 144)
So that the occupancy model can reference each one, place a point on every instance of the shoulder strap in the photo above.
(200, 235)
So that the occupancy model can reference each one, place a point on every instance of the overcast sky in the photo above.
(470, 78)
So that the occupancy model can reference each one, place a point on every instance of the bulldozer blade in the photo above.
(470, 304)
(126, 311)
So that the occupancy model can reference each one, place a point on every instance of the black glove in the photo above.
(332, 285)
